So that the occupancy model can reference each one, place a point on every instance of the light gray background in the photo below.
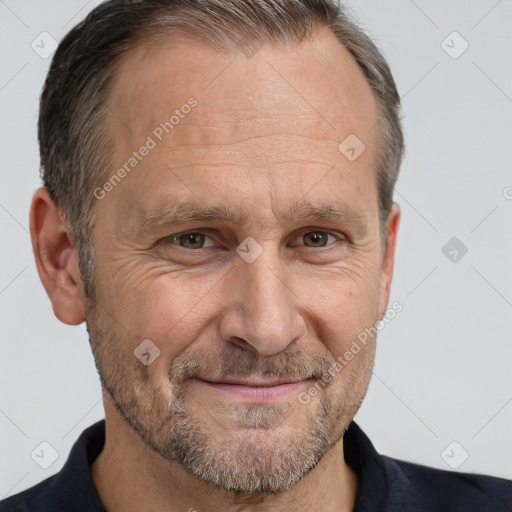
(443, 369)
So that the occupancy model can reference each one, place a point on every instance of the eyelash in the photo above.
(170, 239)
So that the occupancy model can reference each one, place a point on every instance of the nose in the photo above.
(261, 313)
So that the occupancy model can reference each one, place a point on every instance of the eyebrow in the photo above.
(300, 211)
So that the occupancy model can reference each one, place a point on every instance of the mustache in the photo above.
(293, 363)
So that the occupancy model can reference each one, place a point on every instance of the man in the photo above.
(217, 206)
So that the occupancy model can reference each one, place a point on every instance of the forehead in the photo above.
(278, 116)
(318, 82)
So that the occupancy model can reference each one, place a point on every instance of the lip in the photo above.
(256, 390)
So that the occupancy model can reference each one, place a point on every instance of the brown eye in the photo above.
(190, 240)
(316, 238)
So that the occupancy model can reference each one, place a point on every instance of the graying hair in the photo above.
(75, 148)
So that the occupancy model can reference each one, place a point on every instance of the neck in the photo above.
(129, 476)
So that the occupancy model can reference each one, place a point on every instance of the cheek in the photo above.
(344, 310)
(171, 309)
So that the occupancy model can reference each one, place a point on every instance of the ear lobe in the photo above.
(56, 258)
(388, 259)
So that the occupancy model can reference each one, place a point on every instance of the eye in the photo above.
(194, 240)
(318, 238)
(190, 240)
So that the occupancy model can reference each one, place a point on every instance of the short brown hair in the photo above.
(74, 146)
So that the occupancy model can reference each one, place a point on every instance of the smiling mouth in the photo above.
(256, 390)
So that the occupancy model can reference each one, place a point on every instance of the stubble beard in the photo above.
(270, 447)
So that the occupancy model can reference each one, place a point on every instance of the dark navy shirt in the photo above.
(385, 484)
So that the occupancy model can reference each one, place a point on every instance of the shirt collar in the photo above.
(369, 466)
(74, 481)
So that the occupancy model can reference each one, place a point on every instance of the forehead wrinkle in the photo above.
(256, 151)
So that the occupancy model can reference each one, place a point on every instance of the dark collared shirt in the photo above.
(385, 484)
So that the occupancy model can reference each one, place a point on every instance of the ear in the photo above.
(388, 259)
(56, 258)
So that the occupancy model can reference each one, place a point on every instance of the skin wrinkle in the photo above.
(263, 162)
(132, 272)
(255, 139)
(258, 148)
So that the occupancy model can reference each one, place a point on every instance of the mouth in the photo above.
(253, 390)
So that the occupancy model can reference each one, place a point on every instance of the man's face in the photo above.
(261, 143)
